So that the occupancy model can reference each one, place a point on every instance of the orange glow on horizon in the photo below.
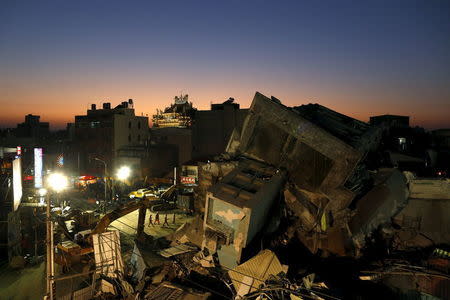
(60, 109)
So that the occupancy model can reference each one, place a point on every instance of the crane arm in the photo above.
(110, 217)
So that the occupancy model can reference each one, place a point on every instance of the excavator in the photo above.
(78, 248)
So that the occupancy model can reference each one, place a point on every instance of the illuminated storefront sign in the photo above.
(37, 167)
(17, 183)
(19, 150)
(187, 180)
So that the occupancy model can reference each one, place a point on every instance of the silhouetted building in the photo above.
(32, 128)
(169, 147)
(207, 137)
(440, 152)
(402, 146)
(212, 128)
(101, 133)
(390, 121)
(441, 138)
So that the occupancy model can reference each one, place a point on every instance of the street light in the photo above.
(56, 182)
(123, 173)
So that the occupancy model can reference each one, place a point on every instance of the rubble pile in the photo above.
(304, 182)
(320, 169)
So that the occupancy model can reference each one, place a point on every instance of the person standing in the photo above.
(150, 220)
(166, 221)
(157, 219)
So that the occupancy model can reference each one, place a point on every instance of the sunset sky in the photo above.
(359, 58)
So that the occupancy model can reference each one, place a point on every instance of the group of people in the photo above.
(152, 222)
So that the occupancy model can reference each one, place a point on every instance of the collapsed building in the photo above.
(333, 197)
(324, 154)
(325, 167)
(309, 174)
(293, 175)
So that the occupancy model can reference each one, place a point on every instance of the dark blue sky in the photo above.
(360, 58)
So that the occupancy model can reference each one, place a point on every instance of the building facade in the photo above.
(192, 134)
(102, 133)
(212, 128)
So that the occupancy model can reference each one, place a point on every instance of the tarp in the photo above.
(248, 276)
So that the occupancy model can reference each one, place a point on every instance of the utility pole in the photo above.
(106, 184)
(57, 182)
(174, 175)
(50, 253)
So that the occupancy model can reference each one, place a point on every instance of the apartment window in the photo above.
(139, 137)
(129, 138)
(95, 124)
(129, 124)
(139, 125)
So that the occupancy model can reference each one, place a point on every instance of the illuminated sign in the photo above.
(37, 167)
(17, 183)
(19, 150)
(60, 160)
(187, 180)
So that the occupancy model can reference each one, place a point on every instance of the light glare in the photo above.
(57, 182)
(123, 173)
(42, 192)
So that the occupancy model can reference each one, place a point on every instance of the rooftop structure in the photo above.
(179, 114)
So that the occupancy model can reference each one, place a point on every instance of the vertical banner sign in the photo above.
(37, 167)
(19, 150)
(17, 183)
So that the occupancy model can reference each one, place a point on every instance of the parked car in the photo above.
(141, 193)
